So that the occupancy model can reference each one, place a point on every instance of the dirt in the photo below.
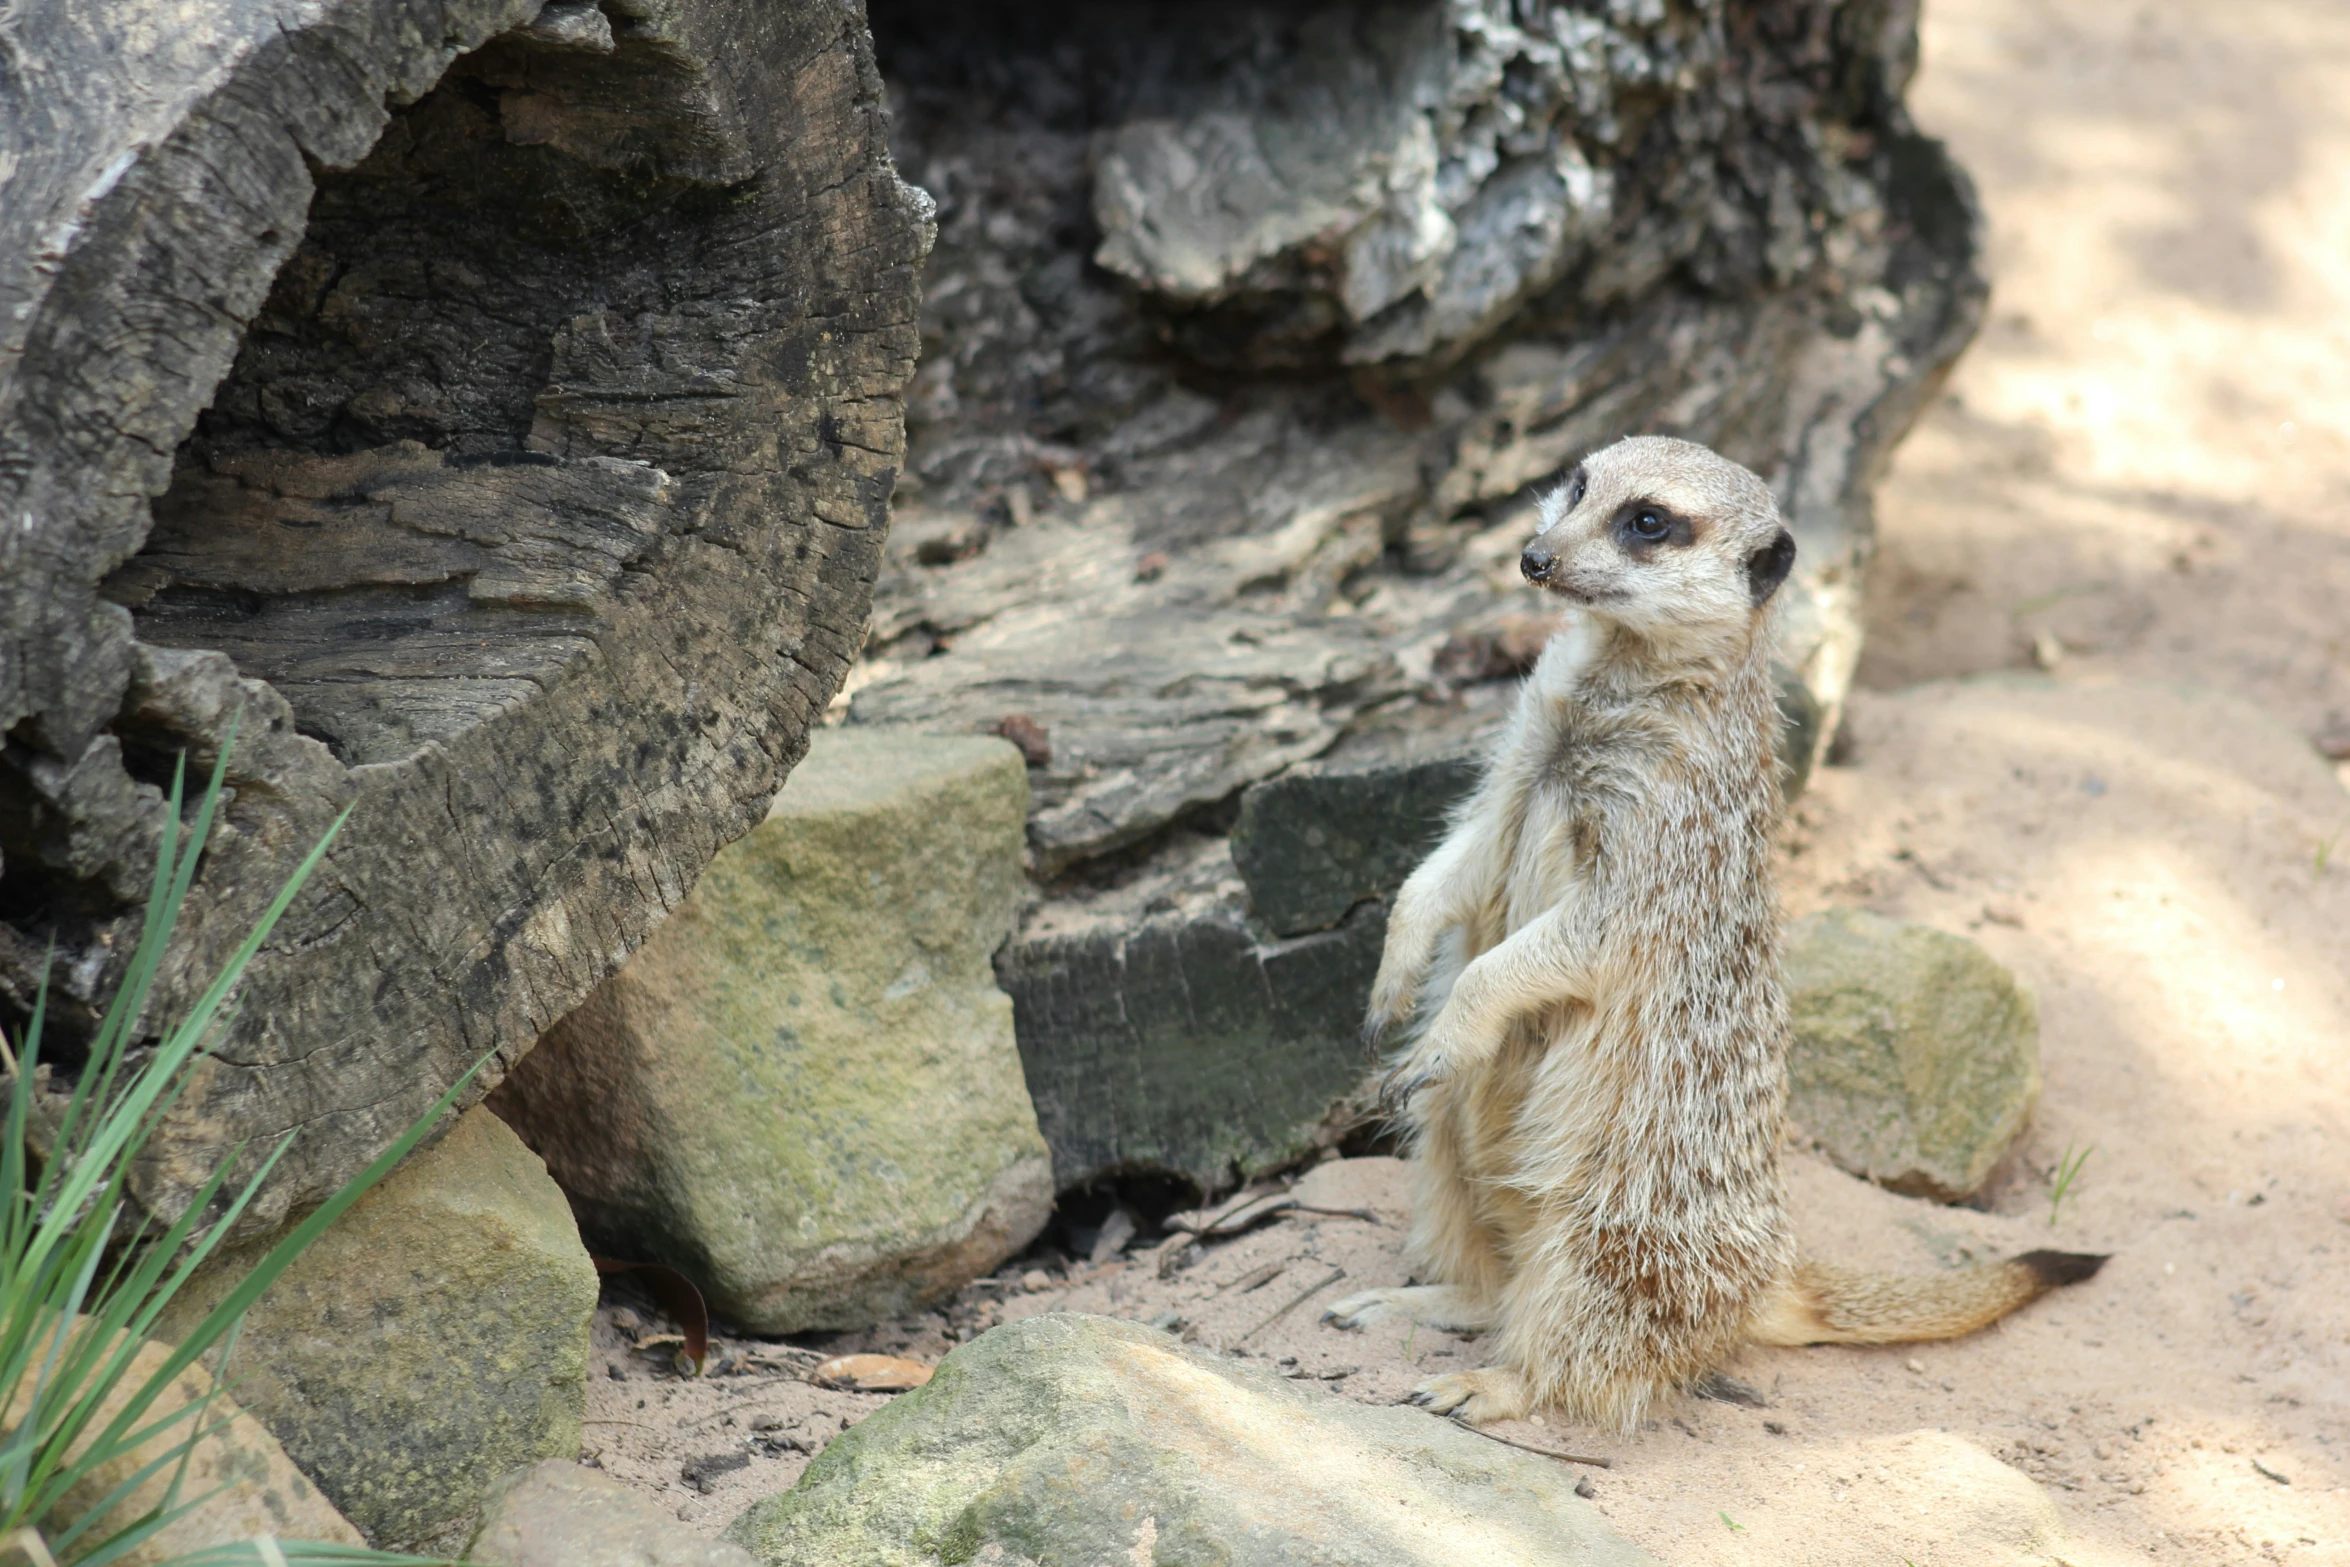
(2133, 499)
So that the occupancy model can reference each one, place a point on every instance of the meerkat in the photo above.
(1593, 1095)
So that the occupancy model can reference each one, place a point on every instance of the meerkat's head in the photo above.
(1662, 537)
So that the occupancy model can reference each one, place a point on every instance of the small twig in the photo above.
(1254, 1279)
(1529, 1447)
(1236, 1214)
(1200, 1220)
(1292, 1304)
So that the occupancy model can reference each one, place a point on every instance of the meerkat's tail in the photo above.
(1820, 1304)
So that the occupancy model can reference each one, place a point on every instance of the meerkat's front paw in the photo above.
(1407, 1077)
(1358, 1311)
(1431, 1305)
(1450, 1045)
(1478, 1397)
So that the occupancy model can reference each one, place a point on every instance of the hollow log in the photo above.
(487, 409)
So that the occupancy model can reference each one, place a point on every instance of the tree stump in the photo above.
(491, 411)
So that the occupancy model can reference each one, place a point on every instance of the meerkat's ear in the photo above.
(1767, 567)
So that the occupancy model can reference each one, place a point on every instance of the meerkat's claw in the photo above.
(1407, 1078)
(1475, 1397)
(1355, 1312)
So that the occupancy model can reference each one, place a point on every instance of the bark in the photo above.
(490, 409)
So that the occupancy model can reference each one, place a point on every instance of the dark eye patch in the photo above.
(1577, 487)
(1642, 527)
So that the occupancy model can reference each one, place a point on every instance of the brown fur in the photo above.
(1594, 1093)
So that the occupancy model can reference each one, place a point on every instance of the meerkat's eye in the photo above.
(1576, 488)
(1648, 526)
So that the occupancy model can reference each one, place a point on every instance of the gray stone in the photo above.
(1075, 1439)
(435, 1337)
(1916, 1056)
(804, 1090)
(1316, 841)
(558, 1514)
(1191, 1046)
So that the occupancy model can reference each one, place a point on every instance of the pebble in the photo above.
(1036, 1281)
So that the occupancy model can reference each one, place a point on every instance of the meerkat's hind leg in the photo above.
(1430, 1305)
(1486, 1394)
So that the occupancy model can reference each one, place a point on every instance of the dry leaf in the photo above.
(679, 1297)
(871, 1373)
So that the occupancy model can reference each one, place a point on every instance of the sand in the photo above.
(2110, 613)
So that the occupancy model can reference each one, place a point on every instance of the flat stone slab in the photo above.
(1191, 1046)
(1068, 1439)
(1316, 841)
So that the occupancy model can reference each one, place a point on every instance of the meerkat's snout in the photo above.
(1537, 563)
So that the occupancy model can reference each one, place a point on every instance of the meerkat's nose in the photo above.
(1537, 563)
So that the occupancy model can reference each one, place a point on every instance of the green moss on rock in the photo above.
(803, 1090)
(431, 1340)
(1916, 1056)
(1076, 1439)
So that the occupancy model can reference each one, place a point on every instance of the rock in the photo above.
(489, 411)
(1916, 1057)
(433, 1339)
(1191, 1046)
(1316, 841)
(253, 1487)
(1068, 1438)
(557, 1514)
(804, 1090)
(1932, 1496)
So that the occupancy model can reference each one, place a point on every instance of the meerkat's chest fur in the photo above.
(1592, 747)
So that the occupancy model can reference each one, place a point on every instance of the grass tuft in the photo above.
(2060, 1182)
(84, 1273)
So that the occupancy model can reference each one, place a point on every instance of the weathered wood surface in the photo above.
(1252, 329)
(1252, 332)
(497, 406)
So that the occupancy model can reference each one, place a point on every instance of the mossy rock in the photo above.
(1077, 1439)
(1916, 1056)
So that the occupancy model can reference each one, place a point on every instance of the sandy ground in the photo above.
(2139, 483)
